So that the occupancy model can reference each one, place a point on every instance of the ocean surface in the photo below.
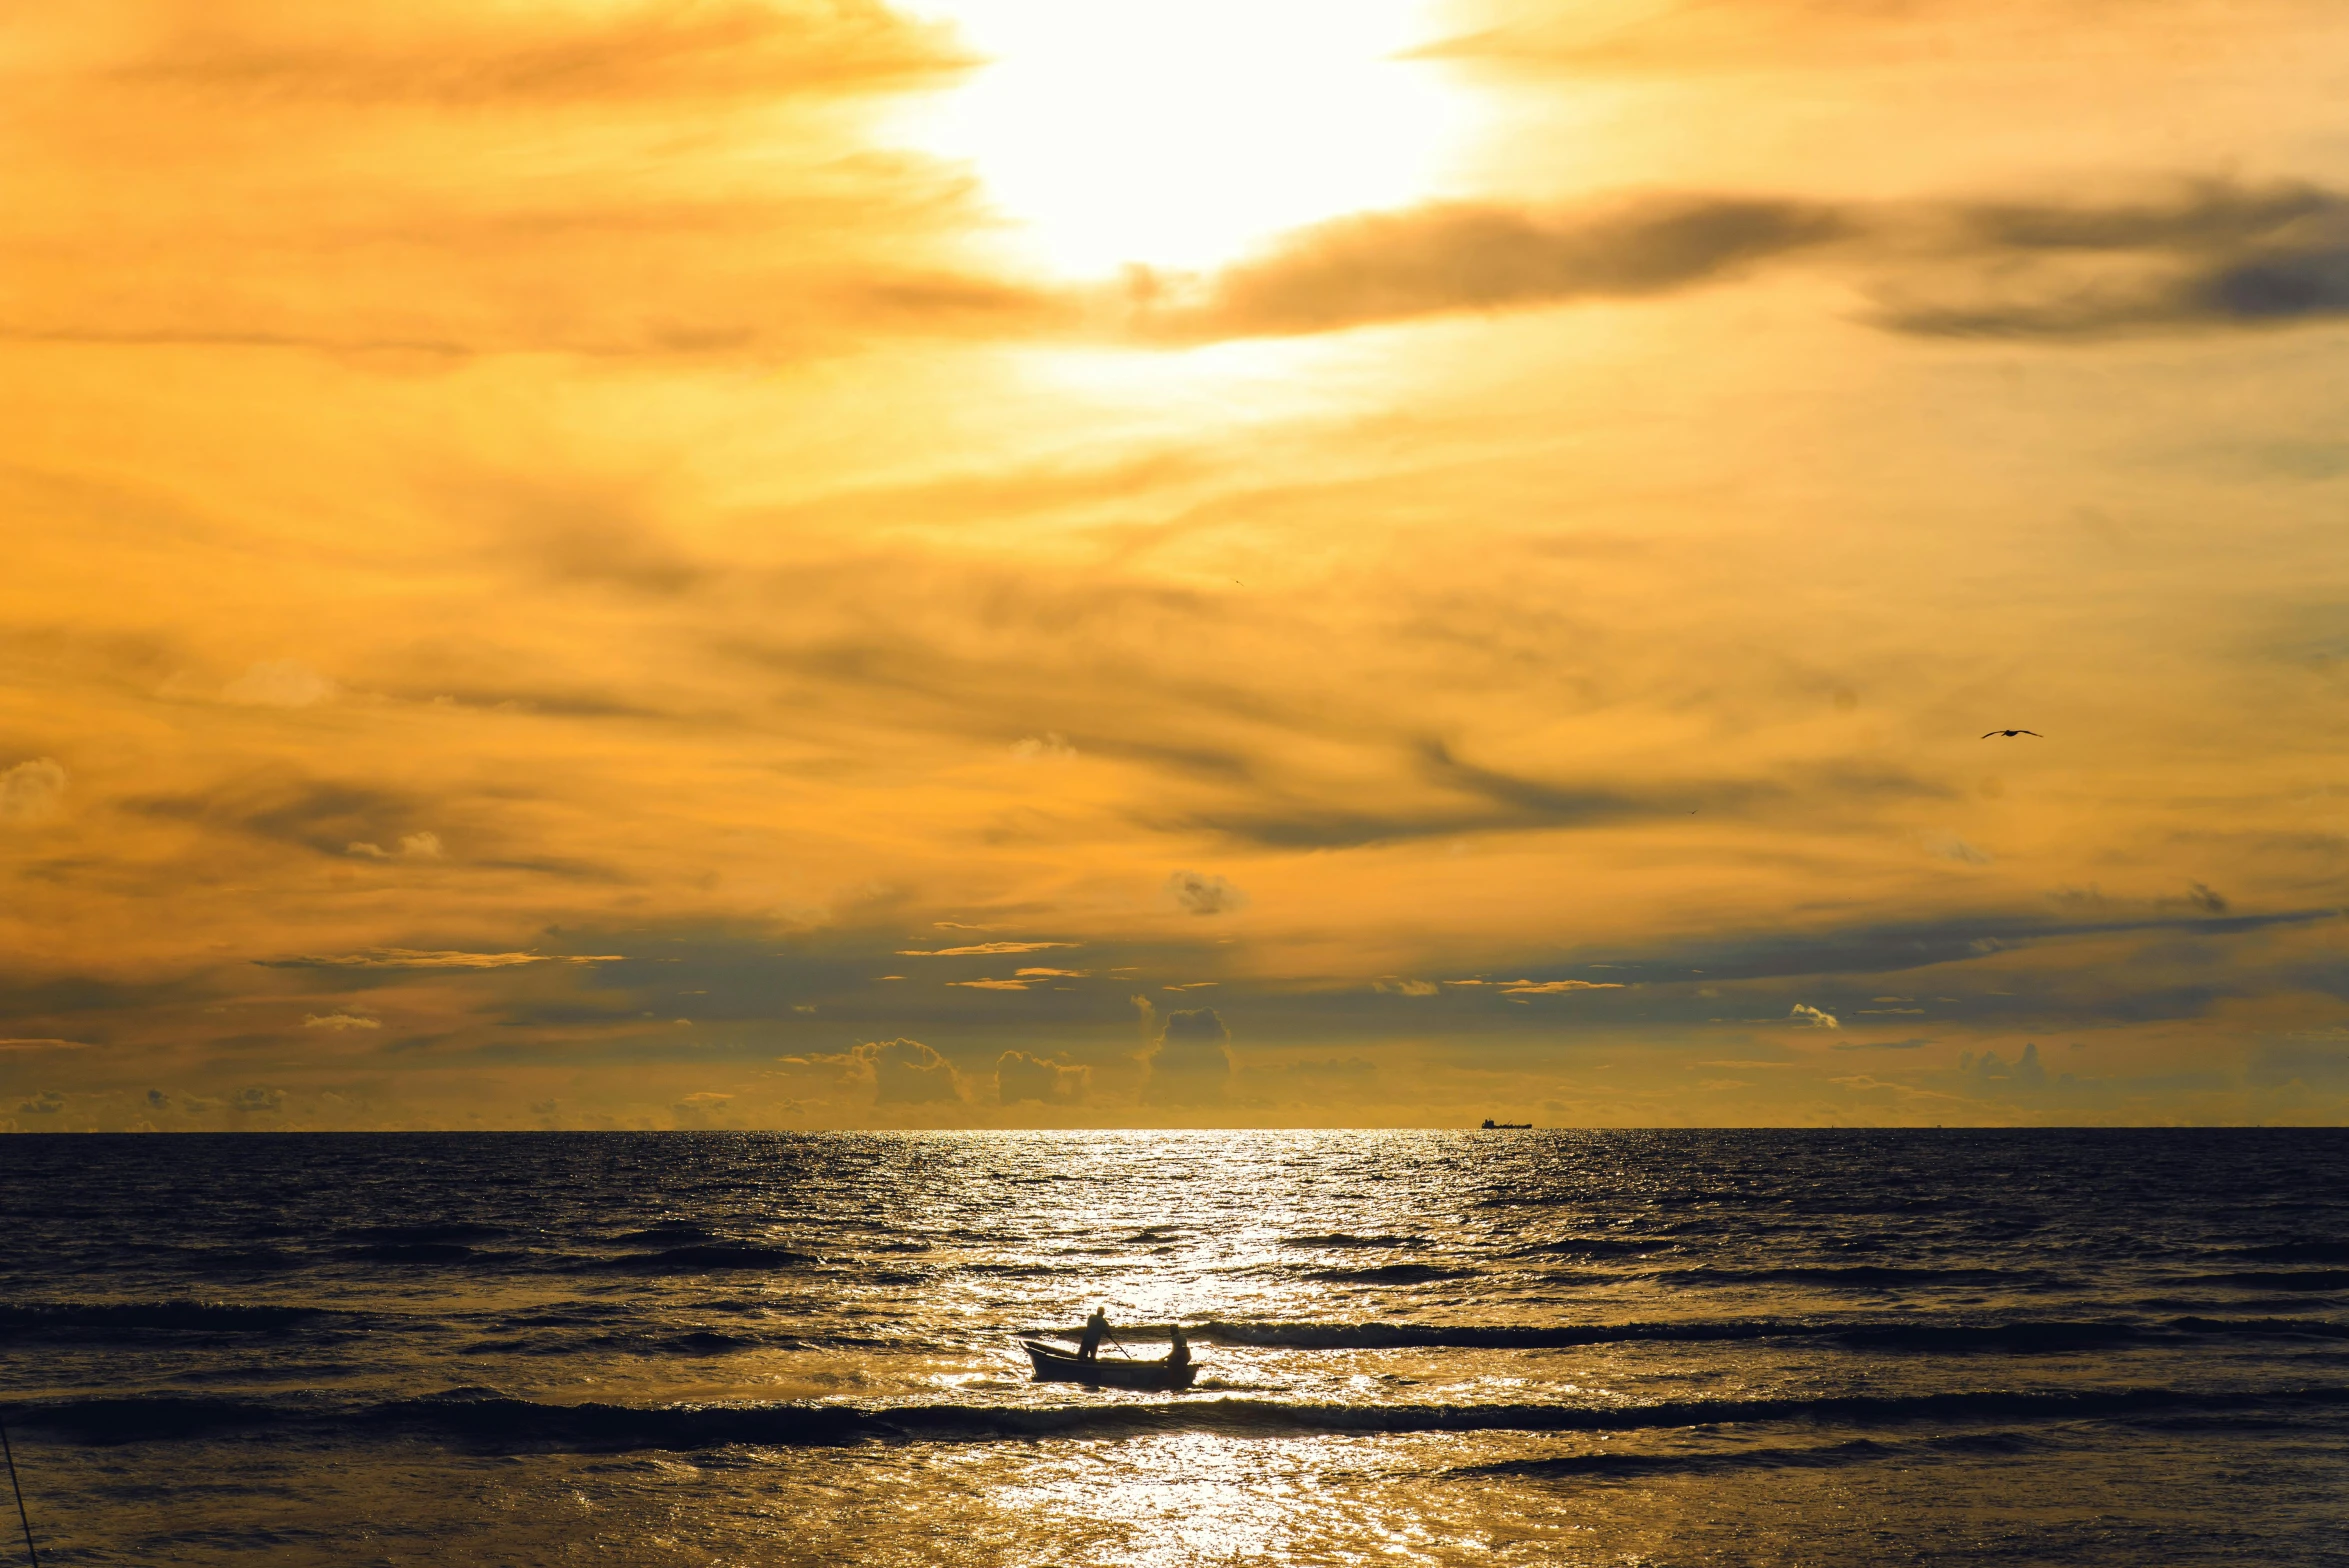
(2108, 1347)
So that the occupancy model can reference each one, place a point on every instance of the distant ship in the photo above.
(1493, 1126)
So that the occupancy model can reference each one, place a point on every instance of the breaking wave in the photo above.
(1823, 1456)
(204, 1317)
(702, 1258)
(2295, 1252)
(487, 1418)
(1862, 1274)
(1392, 1274)
(2287, 1279)
(1943, 1337)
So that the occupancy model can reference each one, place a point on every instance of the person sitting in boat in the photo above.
(1180, 1356)
(1095, 1326)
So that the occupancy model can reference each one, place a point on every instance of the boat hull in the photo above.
(1058, 1366)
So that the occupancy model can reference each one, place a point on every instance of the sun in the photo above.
(1180, 135)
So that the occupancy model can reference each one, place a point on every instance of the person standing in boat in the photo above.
(1180, 1356)
(1095, 1327)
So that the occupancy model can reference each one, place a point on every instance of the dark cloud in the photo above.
(2316, 1064)
(1198, 894)
(2209, 253)
(1389, 266)
(750, 989)
(552, 702)
(1020, 1077)
(1895, 947)
(1535, 799)
(907, 1072)
(1503, 802)
(1993, 1074)
(2210, 217)
(278, 804)
(558, 866)
(1192, 1064)
(91, 1000)
(369, 823)
(2205, 898)
(1309, 827)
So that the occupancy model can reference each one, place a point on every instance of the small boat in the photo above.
(1062, 1366)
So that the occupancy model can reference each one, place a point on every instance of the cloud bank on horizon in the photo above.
(575, 566)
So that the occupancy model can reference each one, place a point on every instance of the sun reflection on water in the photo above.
(1393, 1367)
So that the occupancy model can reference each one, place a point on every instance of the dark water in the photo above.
(1659, 1348)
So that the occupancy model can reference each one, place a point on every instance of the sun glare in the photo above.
(1115, 131)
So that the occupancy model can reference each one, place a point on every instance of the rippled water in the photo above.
(1684, 1347)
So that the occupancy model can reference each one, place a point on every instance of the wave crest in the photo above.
(486, 1418)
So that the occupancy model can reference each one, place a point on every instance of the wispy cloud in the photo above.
(414, 958)
(339, 119)
(278, 683)
(981, 949)
(31, 790)
(457, 57)
(1021, 1077)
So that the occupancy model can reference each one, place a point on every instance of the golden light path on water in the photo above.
(1411, 1348)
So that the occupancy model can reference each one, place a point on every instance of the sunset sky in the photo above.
(1028, 563)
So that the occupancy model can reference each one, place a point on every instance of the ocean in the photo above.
(1684, 1347)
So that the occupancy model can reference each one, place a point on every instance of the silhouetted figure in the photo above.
(2012, 733)
(1095, 1326)
(1180, 1356)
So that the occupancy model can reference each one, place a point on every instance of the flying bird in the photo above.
(2013, 732)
